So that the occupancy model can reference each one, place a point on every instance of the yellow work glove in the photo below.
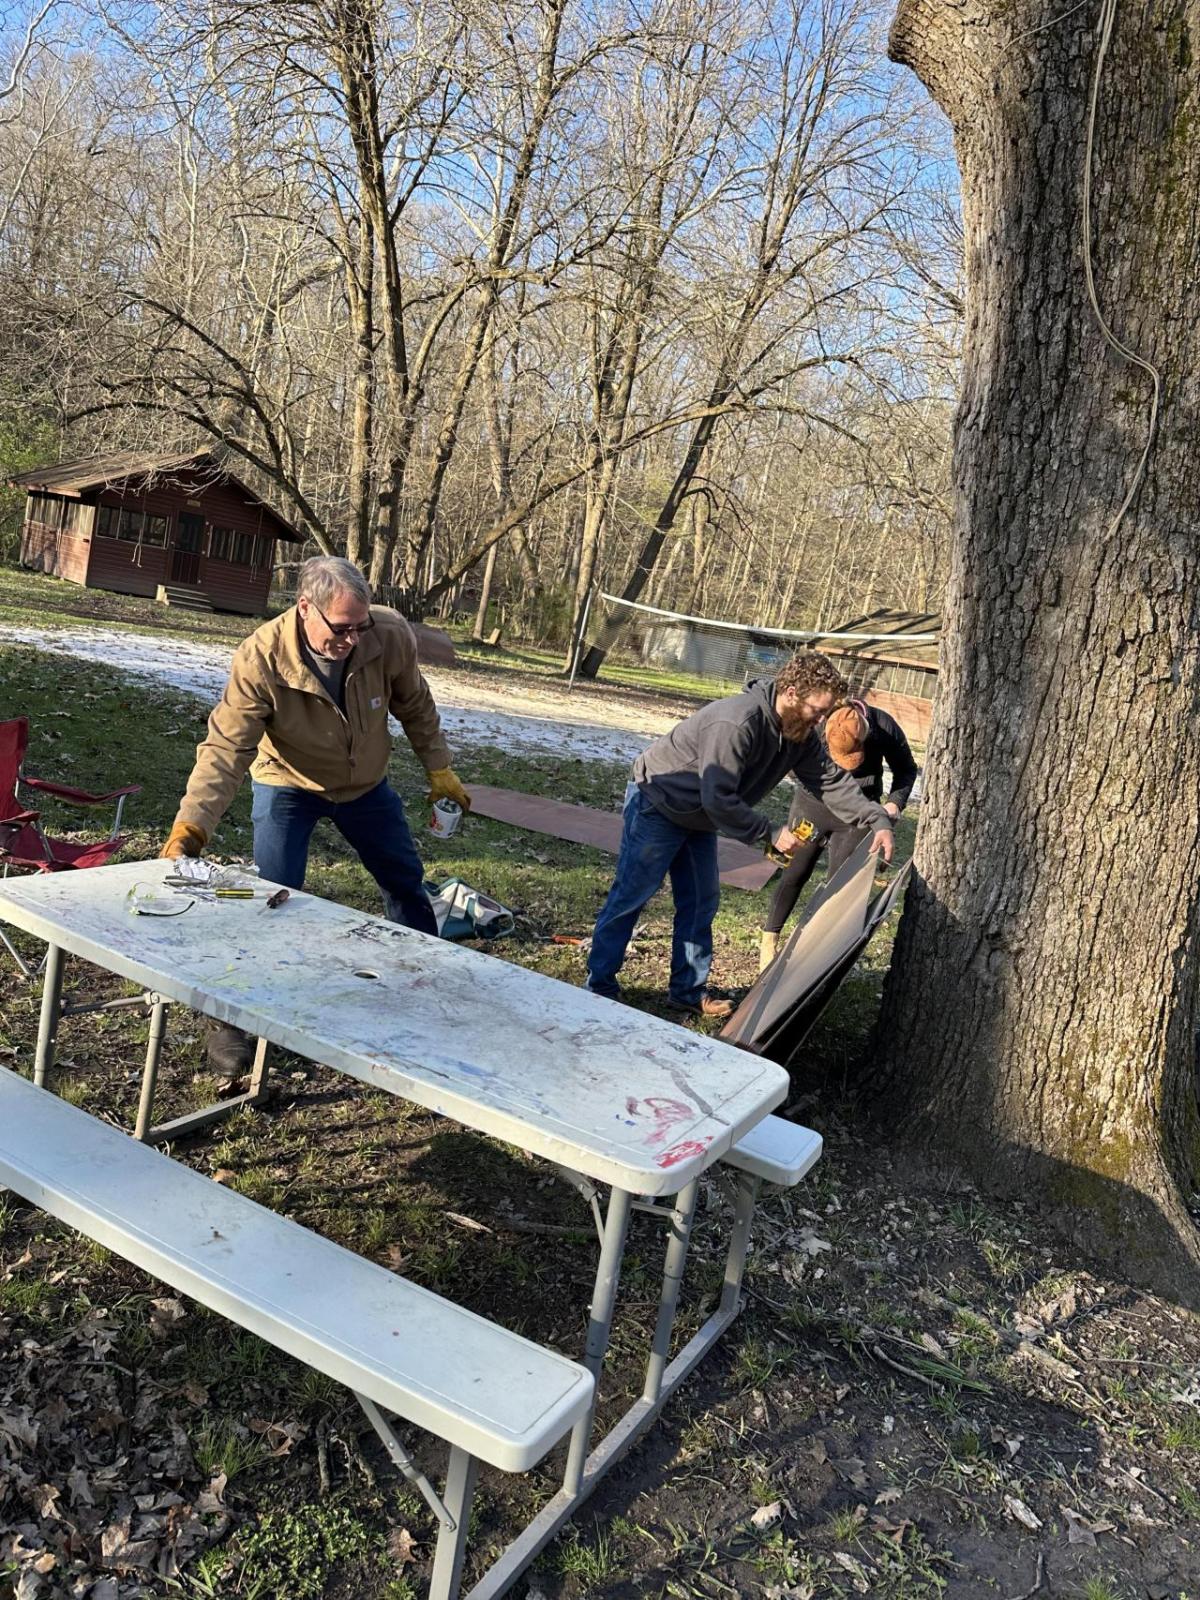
(184, 839)
(444, 785)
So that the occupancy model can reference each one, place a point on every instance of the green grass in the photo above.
(30, 599)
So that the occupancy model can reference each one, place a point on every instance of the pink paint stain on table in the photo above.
(682, 1151)
(665, 1114)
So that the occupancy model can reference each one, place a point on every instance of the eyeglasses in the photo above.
(342, 630)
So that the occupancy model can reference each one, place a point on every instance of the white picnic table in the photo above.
(607, 1094)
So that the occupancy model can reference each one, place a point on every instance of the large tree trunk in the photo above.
(1039, 1022)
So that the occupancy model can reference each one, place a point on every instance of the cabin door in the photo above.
(189, 541)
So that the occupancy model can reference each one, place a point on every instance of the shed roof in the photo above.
(897, 650)
(90, 473)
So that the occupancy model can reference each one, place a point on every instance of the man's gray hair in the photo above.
(323, 577)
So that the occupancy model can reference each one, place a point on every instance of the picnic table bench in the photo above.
(492, 1395)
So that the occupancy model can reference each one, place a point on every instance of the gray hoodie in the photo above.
(714, 767)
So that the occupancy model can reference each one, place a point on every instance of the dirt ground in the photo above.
(922, 1398)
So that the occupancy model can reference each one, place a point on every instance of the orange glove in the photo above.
(184, 839)
(444, 785)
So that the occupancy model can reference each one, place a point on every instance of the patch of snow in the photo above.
(540, 719)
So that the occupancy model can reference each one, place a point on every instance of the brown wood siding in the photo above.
(229, 585)
(914, 716)
(50, 550)
(126, 568)
(56, 535)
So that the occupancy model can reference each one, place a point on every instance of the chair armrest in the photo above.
(81, 797)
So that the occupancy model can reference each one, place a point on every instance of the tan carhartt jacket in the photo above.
(276, 721)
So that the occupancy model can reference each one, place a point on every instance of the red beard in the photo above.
(797, 725)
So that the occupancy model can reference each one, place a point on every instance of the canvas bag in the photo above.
(466, 913)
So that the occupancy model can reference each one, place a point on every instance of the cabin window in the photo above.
(245, 550)
(220, 544)
(155, 530)
(106, 518)
(131, 525)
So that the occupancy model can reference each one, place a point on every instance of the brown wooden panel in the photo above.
(914, 716)
(741, 867)
(50, 550)
(113, 566)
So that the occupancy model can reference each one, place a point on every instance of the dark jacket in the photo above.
(714, 767)
(885, 744)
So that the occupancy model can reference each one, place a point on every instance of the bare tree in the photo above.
(812, 140)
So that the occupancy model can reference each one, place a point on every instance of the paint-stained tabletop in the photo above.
(589, 1083)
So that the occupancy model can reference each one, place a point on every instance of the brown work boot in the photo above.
(768, 949)
(230, 1052)
(708, 1006)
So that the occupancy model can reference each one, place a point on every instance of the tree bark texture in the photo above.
(1039, 1021)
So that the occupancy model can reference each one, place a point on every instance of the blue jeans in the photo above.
(374, 825)
(651, 849)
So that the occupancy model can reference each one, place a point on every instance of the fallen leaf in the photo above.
(1018, 1509)
(225, 1175)
(810, 1244)
(44, 1498)
(1083, 1530)
(81, 1489)
(928, 1342)
(853, 1469)
(164, 1314)
(887, 1497)
(212, 1499)
(401, 1546)
(765, 1516)
(856, 1570)
(1078, 1529)
(279, 1437)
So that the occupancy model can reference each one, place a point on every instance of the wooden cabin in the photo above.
(181, 529)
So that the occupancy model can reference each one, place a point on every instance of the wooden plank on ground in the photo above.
(741, 867)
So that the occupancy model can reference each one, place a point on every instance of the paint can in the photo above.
(444, 818)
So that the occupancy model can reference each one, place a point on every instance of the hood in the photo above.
(762, 691)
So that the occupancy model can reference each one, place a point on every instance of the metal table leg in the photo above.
(192, 1121)
(51, 1012)
(538, 1534)
(451, 1550)
(604, 1295)
(154, 1043)
(682, 1216)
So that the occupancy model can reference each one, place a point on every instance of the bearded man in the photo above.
(703, 778)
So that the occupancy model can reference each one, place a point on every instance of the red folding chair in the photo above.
(24, 843)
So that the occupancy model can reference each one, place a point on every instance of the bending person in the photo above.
(861, 740)
(305, 712)
(706, 777)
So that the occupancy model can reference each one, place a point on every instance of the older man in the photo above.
(703, 778)
(305, 712)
